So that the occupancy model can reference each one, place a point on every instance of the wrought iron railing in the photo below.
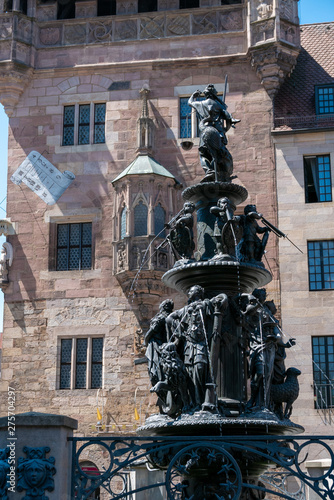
(314, 121)
(281, 482)
(116, 456)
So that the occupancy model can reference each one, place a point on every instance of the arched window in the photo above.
(159, 221)
(140, 216)
(123, 223)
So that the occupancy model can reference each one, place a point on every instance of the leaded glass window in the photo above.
(84, 119)
(185, 118)
(79, 127)
(188, 119)
(81, 364)
(99, 123)
(88, 352)
(68, 130)
(65, 363)
(159, 221)
(318, 182)
(140, 218)
(324, 97)
(123, 223)
(97, 351)
(74, 246)
(321, 264)
(323, 370)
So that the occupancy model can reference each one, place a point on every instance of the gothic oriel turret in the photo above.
(146, 197)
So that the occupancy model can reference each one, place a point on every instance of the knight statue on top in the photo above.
(215, 121)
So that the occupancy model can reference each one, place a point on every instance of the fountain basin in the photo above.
(231, 276)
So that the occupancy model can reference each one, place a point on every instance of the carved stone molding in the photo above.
(13, 80)
(125, 30)
(5, 50)
(152, 27)
(24, 30)
(205, 24)
(47, 12)
(273, 65)
(85, 9)
(127, 7)
(168, 4)
(6, 27)
(100, 32)
(288, 9)
(50, 35)
(289, 33)
(231, 21)
(178, 25)
(75, 34)
(262, 31)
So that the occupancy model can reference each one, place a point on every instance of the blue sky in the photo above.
(309, 12)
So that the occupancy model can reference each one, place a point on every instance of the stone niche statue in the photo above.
(215, 121)
(6, 260)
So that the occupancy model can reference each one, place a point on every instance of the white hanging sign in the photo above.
(42, 177)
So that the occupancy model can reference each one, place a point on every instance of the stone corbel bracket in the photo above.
(7, 228)
(273, 65)
(14, 77)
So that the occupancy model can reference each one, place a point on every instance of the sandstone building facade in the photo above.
(304, 142)
(103, 94)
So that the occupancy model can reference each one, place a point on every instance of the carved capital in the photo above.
(14, 78)
(273, 65)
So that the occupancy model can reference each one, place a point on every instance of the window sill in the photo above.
(83, 274)
(81, 148)
(72, 390)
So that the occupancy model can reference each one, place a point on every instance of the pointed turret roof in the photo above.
(144, 164)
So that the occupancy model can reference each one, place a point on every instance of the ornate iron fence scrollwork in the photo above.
(234, 462)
